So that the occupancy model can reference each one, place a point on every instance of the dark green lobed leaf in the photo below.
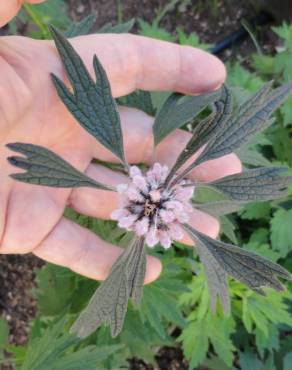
(264, 183)
(178, 110)
(81, 28)
(205, 130)
(109, 303)
(251, 118)
(247, 267)
(46, 168)
(91, 103)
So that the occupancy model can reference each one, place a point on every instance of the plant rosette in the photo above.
(155, 204)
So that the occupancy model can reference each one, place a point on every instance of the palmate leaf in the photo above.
(178, 110)
(109, 303)
(43, 167)
(264, 183)
(206, 129)
(251, 118)
(91, 102)
(247, 267)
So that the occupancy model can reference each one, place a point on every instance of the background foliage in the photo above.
(175, 309)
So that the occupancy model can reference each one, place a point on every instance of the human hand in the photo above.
(9, 8)
(31, 217)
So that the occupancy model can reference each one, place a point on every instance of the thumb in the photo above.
(9, 8)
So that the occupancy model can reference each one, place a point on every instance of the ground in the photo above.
(211, 23)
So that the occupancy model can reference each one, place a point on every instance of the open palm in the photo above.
(31, 217)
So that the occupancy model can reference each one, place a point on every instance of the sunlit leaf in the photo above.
(91, 102)
(109, 303)
(43, 167)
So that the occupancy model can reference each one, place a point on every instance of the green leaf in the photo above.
(286, 111)
(250, 118)
(55, 287)
(255, 211)
(118, 28)
(222, 328)
(269, 342)
(265, 64)
(247, 267)
(243, 78)
(195, 342)
(197, 334)
(154, 31)
(86, 358)
(281, 231)
(178, 110)
(139, 99)
(249, 360)
(43, 351)
(264, 183)
(91, 103)
(44, 167)
(287, 361)
(262, 314)
(285, 32)
(81, 28)
(109, 303)
(191, 39)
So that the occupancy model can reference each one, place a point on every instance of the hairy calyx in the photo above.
(150, 209)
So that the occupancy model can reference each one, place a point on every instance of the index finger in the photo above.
(136, 62)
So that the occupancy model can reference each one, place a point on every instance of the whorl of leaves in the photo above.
(224, 131)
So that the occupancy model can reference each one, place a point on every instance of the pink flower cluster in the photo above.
(149, 209)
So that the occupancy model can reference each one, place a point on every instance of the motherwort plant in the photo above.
(155, 205)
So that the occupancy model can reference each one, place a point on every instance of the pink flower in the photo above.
(149, 209)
